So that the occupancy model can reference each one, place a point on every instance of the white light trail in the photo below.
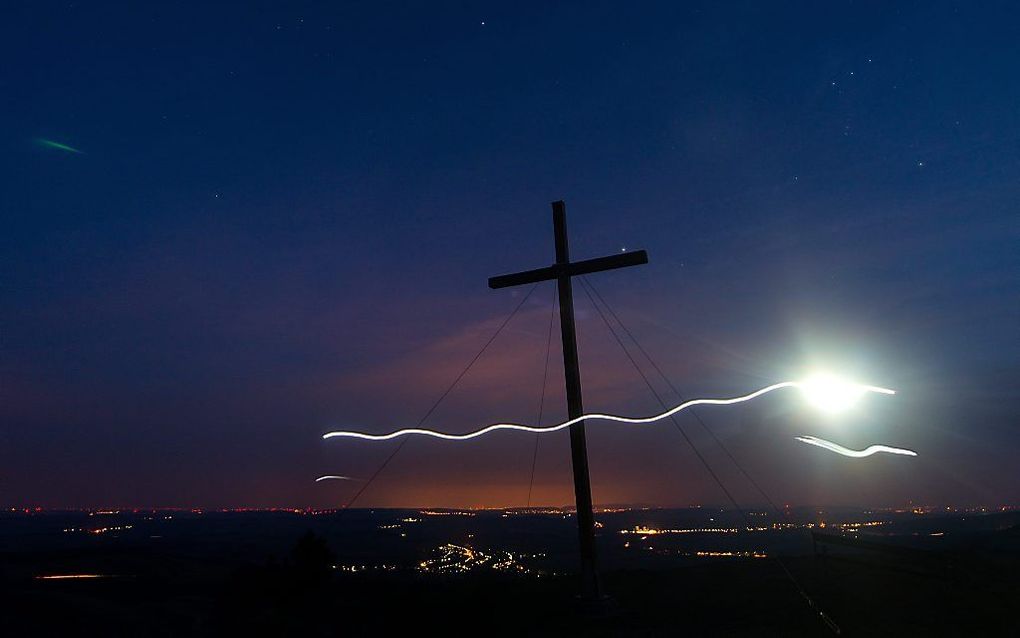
(857, 454)
(334, 477)
(833, 394)
(807, 386)
(73, 576)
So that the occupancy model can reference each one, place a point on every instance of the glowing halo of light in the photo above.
(335, 477)
(830, 393)
(594, 416)
(856, 454)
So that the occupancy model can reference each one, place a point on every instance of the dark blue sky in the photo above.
(282, 219)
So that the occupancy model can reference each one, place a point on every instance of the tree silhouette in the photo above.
(312, 558)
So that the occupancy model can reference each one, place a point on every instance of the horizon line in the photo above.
(608, 508)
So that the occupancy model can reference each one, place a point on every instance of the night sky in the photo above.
(268, 221)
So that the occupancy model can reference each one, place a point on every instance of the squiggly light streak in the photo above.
(583, 417)
(857, 454)
(334, 477)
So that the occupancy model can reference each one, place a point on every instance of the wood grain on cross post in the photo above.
(562, 271)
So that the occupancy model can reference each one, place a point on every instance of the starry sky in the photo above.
(228, 229)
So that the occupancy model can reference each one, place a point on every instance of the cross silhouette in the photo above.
(562, 271)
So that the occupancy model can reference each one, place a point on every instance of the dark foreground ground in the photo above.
(741, 598)
(200, 587)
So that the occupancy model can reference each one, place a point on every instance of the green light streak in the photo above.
(57, 145)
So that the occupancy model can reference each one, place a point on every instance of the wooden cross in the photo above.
(562, 271)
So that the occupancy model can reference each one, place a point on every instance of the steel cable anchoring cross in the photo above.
(435, 405)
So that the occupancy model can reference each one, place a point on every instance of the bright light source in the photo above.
(832, 394)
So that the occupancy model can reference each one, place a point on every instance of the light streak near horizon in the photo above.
(808, 386)
(856, 454)
(334, 477)
(73, 576)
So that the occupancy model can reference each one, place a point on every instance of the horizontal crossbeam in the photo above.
(634, 258)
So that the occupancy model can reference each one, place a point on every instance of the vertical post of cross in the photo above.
(590, 586)
(562, 271)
